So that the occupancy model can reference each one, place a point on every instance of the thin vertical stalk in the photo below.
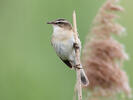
(79, 88)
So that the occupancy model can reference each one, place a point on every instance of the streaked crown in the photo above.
(61, 23)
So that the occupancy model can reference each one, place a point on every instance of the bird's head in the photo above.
(61, 23)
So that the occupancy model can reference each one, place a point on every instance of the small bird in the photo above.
(64, 44)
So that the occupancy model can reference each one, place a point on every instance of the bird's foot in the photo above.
(77, 66)
(76, 46)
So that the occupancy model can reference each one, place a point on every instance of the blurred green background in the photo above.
(29, 67)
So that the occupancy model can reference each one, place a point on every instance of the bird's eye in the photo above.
(59, 22)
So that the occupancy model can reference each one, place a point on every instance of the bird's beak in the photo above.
(50, 22)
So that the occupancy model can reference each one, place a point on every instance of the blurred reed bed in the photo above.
(103, 56)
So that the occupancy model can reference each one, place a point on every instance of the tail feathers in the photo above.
(84, 78)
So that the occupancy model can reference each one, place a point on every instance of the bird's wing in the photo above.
(67, 62)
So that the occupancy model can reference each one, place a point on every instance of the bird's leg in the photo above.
(76, 46)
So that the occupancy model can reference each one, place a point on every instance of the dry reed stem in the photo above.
(77, 51)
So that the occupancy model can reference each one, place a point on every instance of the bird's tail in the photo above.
(84, 78)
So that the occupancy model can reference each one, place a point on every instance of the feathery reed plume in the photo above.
(103, 56)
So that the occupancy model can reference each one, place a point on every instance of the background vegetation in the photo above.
(29, 67)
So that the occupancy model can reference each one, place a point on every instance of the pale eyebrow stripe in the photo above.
(61, 21)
